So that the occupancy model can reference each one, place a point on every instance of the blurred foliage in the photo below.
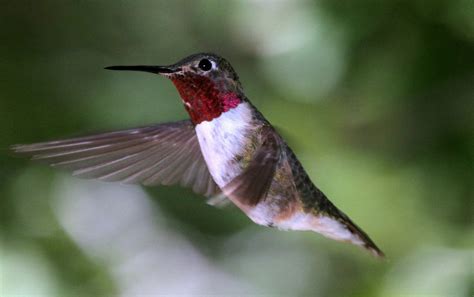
(377, 98)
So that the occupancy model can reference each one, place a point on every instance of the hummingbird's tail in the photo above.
(366, 241)
(358, 236)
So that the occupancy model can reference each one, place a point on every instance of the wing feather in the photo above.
(252, 185)
(153, 155)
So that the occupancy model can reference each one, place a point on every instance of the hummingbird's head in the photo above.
(207, 84)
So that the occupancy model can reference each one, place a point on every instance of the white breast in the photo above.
(222, 139)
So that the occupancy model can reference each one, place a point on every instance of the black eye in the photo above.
(205, 65)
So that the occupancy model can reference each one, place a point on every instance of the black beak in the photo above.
(152, 69)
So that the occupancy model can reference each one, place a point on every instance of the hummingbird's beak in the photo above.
(152, 69)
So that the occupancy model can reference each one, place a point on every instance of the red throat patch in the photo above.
(202, 98)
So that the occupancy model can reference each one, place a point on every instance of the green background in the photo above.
(375, 97)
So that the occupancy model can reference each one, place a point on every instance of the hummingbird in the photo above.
(225, 149)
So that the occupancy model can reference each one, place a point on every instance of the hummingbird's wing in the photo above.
(251, 186)
(158, 154)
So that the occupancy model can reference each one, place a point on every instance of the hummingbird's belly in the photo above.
(298, 220)
(223, 141)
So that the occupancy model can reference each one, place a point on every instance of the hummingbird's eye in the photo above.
(205, 65)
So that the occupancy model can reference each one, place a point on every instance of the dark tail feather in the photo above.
(367, 243)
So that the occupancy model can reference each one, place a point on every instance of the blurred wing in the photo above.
(159, 154)
(251, 186)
